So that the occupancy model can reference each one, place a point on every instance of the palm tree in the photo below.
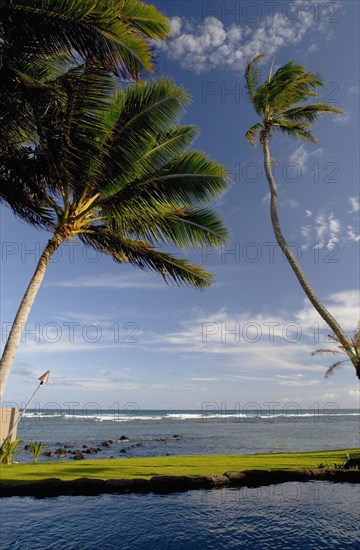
(279, 102)
(40, 40)
(340, 350)
(114, 169)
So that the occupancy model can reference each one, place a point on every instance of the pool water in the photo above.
(313, 515)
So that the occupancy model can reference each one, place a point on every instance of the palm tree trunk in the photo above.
(18, 326)
(295, 266)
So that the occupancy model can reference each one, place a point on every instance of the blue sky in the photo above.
(112, 335)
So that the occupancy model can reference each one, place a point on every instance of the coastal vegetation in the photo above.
(8, 449)
(280, 102)
(36, 448)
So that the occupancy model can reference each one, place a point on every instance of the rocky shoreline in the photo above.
(54, 487)
(109, 448)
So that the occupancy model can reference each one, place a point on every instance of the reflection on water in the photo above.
(316, 515)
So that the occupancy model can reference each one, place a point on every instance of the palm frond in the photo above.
(170, 225)
(169, 145)
(330, 371)
(355, 349)
(291, 84)
(326, 351)
(252, 74)
(187, 180)
(144, 256)
(112, 33)
(253, 133)
(297, 130)
(310, 113)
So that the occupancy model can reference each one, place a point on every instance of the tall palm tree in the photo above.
(280, 103)
(340, 350)
(41, 39)
(114, 169)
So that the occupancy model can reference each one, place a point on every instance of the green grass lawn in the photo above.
(171, 465)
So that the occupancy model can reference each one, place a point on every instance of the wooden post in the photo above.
(8, 418)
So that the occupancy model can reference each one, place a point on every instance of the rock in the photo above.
(91, 451)
(78, 455)
(128, 486)
(27, 447)
(85, 486)
(48, 453)
(140, 444)
(122, 450)
(177, 436)
(60, 452)
(99, 449)
(352, 463)
(218, 480)
(68, 446)
(84, 446)
(235, 478)
(107, 443)
(124, 438)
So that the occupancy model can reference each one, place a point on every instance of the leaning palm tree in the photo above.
(39, 40)
(114, 170)
(340, 350)
(280, 104)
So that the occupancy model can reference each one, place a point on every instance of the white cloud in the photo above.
(292, 203)
(344, 306)
(306, 231)
(201, 47)
(354, 205)
(344, 119)
(352, 235)
(328, 230)
(266, 199)
(109, 281)
(354, 90)
(233, 347)
(176, 24)
(301, 156)
(300, 383)
(311, 49)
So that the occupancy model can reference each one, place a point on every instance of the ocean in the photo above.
(316, 515)
(169, 432)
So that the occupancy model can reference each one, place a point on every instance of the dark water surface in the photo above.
(314, 515)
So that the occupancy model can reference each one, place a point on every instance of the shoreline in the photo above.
(55, 487)
(175, 473)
